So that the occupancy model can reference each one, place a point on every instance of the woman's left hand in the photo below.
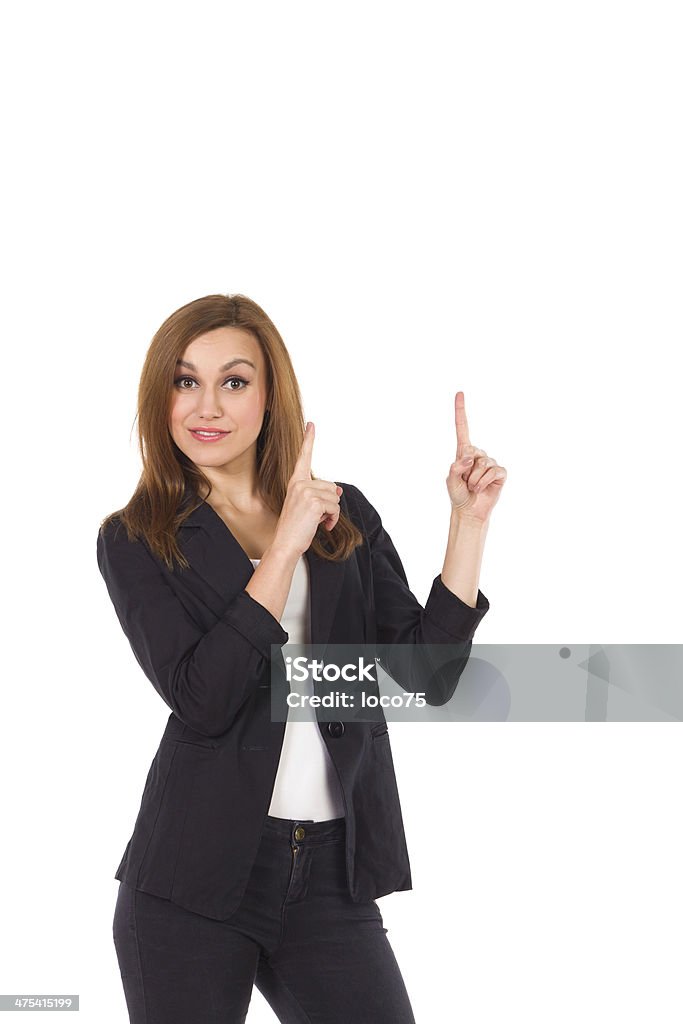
(474, 487)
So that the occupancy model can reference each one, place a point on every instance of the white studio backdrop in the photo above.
(424, 198)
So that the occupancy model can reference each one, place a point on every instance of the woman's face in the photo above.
(219, 385)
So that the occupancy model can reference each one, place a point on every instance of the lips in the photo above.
(209, 435)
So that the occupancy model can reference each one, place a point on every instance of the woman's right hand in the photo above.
(307, 503)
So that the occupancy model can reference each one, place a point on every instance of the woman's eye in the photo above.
(180, 381)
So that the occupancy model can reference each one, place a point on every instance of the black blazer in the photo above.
(204, 643)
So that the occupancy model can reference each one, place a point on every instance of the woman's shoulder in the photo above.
(355, 503)
(358, 493)
(110, 527)
(350, 496)
(113, 528)
(351, 490)
(114, 540)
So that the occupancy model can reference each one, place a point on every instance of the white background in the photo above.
(424, 198)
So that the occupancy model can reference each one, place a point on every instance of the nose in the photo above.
(208, 404)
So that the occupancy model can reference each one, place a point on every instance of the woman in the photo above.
(261, 846)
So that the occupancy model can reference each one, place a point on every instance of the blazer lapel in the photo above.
(215, 554)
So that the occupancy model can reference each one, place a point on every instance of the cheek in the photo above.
(250, 412)
(178, 411)
(180, 403)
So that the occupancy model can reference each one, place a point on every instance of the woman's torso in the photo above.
(306, 784)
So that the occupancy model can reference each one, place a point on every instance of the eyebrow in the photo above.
(221, 369)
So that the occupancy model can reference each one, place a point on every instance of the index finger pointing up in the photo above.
(302, 467)
(462, 432)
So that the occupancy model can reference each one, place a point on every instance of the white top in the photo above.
(306, 785)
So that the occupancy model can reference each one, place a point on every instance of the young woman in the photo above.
(261, 846)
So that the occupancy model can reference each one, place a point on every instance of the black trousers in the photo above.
(317, 957)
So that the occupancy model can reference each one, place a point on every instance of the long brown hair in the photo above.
(157, 509)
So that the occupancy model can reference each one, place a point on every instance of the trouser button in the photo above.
(299, 832)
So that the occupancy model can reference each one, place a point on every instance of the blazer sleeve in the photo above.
(401, 619)
(204, 677)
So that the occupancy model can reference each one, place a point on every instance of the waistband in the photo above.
(313, 831)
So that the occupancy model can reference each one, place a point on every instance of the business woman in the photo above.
(261, 846)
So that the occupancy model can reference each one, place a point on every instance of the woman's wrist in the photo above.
(468, 523)
(464, 552)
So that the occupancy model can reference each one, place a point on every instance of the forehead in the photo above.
(214, 348)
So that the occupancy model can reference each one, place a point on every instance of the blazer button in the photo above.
(335, 729)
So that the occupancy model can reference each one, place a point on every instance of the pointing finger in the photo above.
(302, 468)
(462, 432)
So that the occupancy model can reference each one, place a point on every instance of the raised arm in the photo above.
(401, 619)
